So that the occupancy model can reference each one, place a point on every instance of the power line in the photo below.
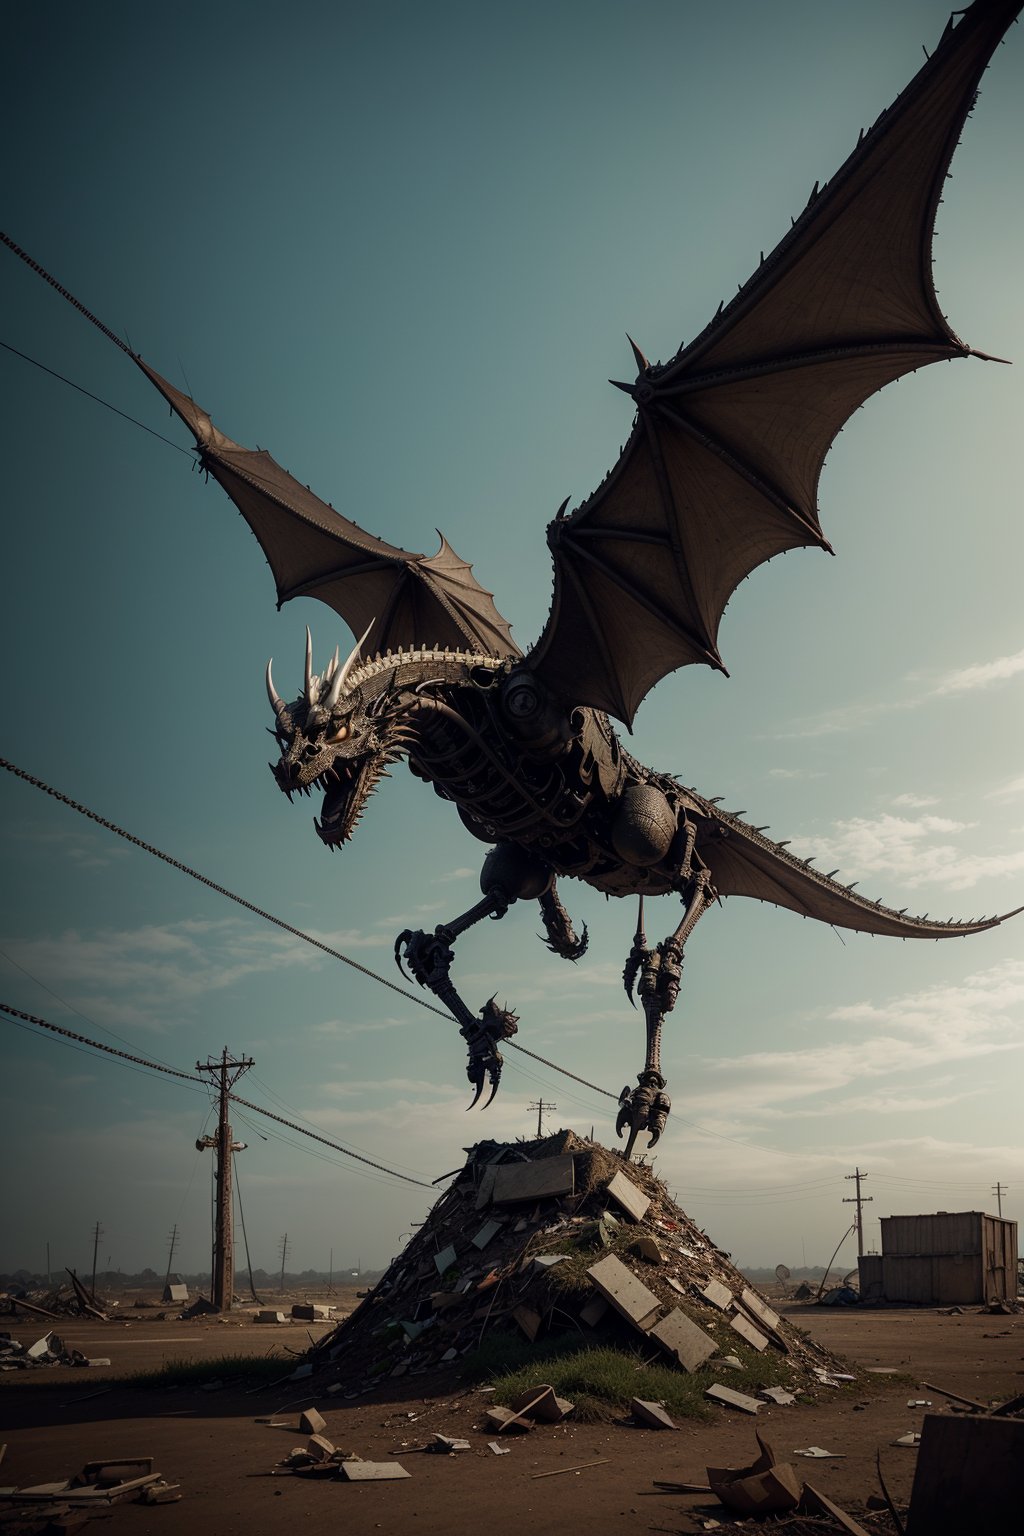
(57, 1029)
(269, 917)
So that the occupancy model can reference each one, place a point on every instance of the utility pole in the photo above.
(284, 1255)
(540, 1107)
(330, 1277)
(227, 1072)
(858, 1199)
(999, 1190)
(49, 1280)
(97, 1234)
(170, 1255)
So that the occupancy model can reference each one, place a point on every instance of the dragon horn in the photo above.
(277, 704)
(341, 677)
(332, 665)
(309, 667)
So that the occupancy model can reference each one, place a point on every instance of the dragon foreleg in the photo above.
(508, 874)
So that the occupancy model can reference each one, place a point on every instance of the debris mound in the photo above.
(552, 1236)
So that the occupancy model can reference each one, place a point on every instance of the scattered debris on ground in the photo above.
(50, 1349)
(112, 1480)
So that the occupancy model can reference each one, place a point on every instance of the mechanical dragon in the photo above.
(719, 474)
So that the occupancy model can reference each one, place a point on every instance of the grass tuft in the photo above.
(196, 1373)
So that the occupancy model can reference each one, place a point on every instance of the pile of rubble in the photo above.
(541, 1237)
(49, 1350)
(71, 1300)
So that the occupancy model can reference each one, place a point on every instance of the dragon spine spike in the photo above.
(340, 678)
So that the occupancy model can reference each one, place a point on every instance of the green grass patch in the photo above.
(237, 1369)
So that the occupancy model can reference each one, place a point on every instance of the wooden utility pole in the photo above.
(858, 1199)
(227, 1072)
(540, 1107)
(170, 1254)
(999, 1190)
(97, 1234)
(284, 1255)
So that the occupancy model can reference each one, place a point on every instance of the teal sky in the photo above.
(399, 246)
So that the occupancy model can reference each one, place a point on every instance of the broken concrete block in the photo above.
(178, 1293)
(40, 1349)
(592, 1313)
(319, 1448)
(311, 1422)
(487, 1231)
(528, 1320)
(626, 1293)
(648, 1249)
(760, 1309)
(731, 1399)
(718, 1294)
(778, 1395)
(445, 1259)
(546, 1261)
(445, 1445)
(626, 1195)
(968, 1475)
(372, 1471)
(542, 1180)
(162, 1493)
(682, 1338)
(311, 1312)
(651, 1415)
(746, 1330)
(485, 1188)
(266, 1315)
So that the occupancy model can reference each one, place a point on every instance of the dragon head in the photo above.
(333, 738)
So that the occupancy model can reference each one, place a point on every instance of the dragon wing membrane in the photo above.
(410, 600)
(721, 469)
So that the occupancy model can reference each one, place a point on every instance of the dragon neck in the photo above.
(405, 672)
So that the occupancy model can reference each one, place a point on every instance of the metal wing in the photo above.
(721, 470)
(411, 600)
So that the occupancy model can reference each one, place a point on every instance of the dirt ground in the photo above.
(211, 1444)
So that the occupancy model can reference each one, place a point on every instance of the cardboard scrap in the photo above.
(765, 1487)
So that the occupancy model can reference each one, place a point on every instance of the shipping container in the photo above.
(951, 1258)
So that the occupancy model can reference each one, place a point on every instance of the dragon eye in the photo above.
(340, 735)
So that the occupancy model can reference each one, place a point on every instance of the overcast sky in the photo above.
(399, 246)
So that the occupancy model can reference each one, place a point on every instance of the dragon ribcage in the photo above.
(503, 794)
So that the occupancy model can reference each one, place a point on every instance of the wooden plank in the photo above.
(820, 1503)
(968, 1475)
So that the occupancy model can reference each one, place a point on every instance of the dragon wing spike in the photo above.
(641, 361)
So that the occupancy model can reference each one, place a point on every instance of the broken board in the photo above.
(968, 1475)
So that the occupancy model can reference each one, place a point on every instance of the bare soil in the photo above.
(210, 1443)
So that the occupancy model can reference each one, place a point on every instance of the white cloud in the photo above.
(982, 674)
(453, 874)
(915, 802)
(1009, 791)
(919, 851)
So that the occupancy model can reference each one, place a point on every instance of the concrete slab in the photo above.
(718, 1294)
(746, 1330)
(311, 1422)
(542, 1180)
(593, 1312)
(487, 1231)
(485, 1188)
(371, 1471)
(265, 1315)
(626, 1293)
(682, 1338)
(626, 1195)
(731, 1399)
(759, 1309)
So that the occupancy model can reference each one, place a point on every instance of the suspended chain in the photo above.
(155, 1066)
(307, 938)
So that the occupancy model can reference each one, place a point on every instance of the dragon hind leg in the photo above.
(561, 936)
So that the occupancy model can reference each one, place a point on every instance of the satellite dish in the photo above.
(781, 1273)
(851, 1277)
